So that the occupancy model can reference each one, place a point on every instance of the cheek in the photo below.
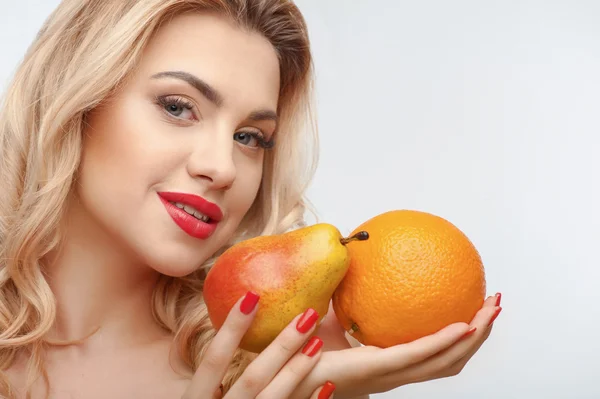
(123, 141)
(243, 192)
(109, 154)
(119, 162)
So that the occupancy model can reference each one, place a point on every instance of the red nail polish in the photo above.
(312, 346)
(469, 333)
(327, 390)
(307, 321)
(249, 302)
(498, 310)
(498, 298)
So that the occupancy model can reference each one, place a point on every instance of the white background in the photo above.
(485, 113)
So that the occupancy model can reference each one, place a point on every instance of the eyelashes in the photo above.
(177, 107)
(259, 137)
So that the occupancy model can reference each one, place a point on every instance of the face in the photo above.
(172, 162)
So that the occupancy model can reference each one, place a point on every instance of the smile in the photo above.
(193, 214)
(191, 211)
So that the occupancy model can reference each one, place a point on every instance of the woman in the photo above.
(138, 140)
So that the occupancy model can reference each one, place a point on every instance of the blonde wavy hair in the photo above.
(83, 52)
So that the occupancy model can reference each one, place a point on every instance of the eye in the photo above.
(177, 107)
(252, 139)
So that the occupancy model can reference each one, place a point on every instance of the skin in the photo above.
(119, 238)
(119, 235)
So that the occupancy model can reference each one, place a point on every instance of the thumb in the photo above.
(324, 392)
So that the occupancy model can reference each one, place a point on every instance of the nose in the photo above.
(212, 160)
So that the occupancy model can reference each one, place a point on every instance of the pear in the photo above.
(291, 272)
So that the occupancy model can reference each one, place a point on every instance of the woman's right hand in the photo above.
(277, 370)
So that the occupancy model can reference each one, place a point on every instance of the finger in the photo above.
(219, 353)
(288, 378)
(498, 297)
(445, 361)
(401, 356)
(479, 338)
(441, 364)
(264, 368)
(460, 364)
(324, 392)
(493, 300)
(482, 322)
(462, 352)
(478, 332)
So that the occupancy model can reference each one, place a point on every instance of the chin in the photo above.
(176, 268)
(179, 255)
(176, 261)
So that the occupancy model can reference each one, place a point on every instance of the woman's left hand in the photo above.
(367, 369)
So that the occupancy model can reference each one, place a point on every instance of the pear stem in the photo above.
(360, 236)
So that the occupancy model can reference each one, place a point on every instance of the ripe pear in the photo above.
(291, 272)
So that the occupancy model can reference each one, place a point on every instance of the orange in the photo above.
(415, 274)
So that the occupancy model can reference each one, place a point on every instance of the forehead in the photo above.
(242, 65)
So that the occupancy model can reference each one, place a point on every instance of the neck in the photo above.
(99, 288)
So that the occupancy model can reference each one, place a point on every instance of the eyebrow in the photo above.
(263, 115)
(212, 94)
(207, 91)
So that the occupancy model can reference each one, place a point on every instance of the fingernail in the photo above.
(498, 310)
(469, 333)
(312, 346)
(307, 321)
(249, 302)
(327, 390)
(498, 298)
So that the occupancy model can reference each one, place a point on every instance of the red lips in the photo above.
(190, 224)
